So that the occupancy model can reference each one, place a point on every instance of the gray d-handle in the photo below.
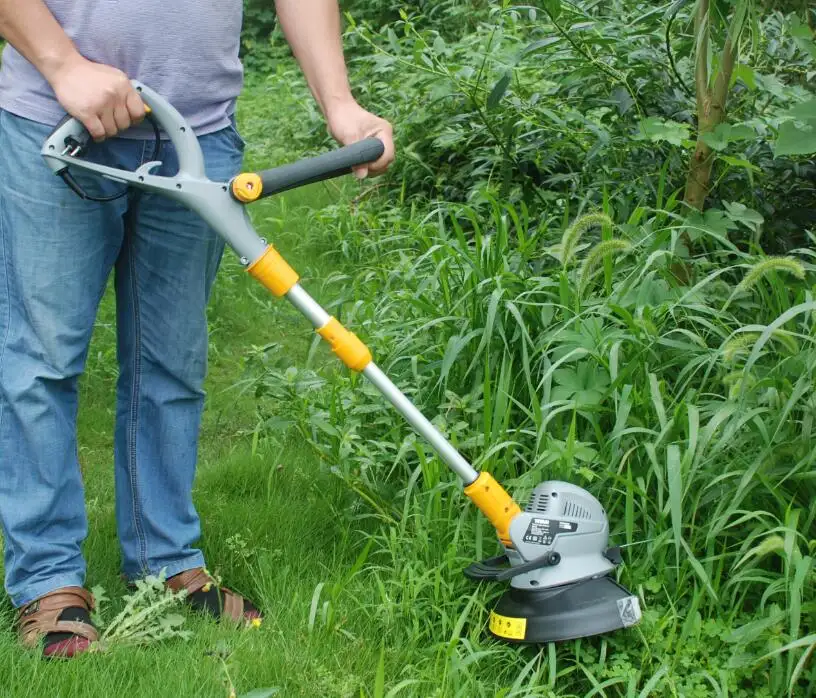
(57, 149)
(334, 164)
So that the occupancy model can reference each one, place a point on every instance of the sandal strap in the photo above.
(41, 616)
(191, 580)
(232, 604)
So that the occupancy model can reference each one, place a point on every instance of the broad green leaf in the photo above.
(724, 134)
(740, 213)
(799, 29)
(746, 74)
(713, 221)
(393, 41)
(804, 111)
(538, 45)
(552, 7)
(740, 162)
(498, 90)
(802, 36)
(796, 140)
(718, 139)
(623, 100)
(771, 84)
(261, 693)
(656, 130)
(741, 132)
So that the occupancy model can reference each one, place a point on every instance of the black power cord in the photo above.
(68, 178)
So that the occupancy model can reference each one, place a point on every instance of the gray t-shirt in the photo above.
(186, 50)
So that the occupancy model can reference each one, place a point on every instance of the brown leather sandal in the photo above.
(204, 594)
(62, 619)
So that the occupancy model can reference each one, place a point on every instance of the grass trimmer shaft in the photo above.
(555, 552)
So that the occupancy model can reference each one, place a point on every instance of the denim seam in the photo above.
(134, 412)
(8, 300)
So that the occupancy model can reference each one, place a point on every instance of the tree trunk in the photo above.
(711, 101)
(699, 174)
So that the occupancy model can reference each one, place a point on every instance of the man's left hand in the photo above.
(349, 122)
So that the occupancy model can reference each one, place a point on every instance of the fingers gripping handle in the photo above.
(60, 148)
(253, 186)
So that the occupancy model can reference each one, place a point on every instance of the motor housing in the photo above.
(564, 520)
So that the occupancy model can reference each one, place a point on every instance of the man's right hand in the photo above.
(101, 97)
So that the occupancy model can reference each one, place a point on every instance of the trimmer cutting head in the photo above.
(582, 609)
(559, 567)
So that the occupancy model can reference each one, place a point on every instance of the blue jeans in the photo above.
(56, 254)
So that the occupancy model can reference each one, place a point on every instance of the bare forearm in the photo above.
(29, 26)
(312, 28)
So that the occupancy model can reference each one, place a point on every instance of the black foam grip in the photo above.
(334, 164)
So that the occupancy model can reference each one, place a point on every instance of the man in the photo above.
(57, 251)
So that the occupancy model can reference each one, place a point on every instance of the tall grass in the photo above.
(687, 410)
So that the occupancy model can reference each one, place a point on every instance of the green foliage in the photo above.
(543, 107)
(516, 276)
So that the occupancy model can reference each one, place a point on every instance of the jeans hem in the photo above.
(189, 563)
(35, 591)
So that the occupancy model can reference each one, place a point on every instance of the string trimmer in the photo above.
(555, 557)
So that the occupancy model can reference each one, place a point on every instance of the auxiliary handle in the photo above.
(249, 187)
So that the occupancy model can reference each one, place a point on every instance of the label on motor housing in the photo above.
(544, 531)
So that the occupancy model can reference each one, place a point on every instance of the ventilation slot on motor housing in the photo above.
(539, 503)
(574, 510)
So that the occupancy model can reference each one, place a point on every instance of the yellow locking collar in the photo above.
(494, 502)
(348, 347)
(247, 187)
(274, 272)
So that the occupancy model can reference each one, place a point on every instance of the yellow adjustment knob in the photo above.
(148, 110)
(247, 187)
(274, 272)
(494, 502)
(346, 345)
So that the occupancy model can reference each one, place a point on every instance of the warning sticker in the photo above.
(629, 611)
(544, 531)
(508, 628)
